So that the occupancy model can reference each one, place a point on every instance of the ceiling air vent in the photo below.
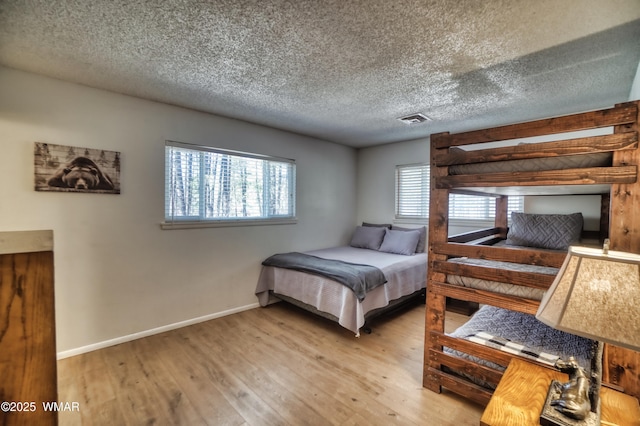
(414, 118)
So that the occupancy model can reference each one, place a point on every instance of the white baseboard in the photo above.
(141, 334)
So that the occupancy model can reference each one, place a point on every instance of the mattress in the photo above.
(500, 287)
(522, 330)
(405, 275)
(599, 159)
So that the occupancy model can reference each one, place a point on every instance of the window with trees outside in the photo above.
(209, 186)
(412, 198)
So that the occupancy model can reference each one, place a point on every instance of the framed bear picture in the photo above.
(63, 168)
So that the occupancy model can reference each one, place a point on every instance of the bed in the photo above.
(397, 252)
(518, 334)
(507, 268)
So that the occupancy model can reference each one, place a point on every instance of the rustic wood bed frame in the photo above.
(619, 222)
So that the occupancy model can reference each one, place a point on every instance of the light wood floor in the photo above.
(267, 366)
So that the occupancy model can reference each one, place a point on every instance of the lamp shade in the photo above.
(596, 295)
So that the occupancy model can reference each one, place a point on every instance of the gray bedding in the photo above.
(358, 277)
(500, 287)
(405, 274)
(525, 332)
(535, 164)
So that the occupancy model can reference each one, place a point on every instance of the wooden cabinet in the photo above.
(27, 328)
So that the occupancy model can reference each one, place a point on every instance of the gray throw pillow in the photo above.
(547, 231)
(369, 237)
(422, 242)
(400, 242)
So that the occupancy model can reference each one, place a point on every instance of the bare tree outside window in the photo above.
(207, 184)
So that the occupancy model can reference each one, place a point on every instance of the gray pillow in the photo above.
(422, 242)
(547, 231)
(369, 237)
(400, 242)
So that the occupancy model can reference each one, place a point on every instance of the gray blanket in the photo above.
(359, 278)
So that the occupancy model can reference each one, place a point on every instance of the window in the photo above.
(412, 198)
(208, 185)
(412, 191)
(474, 207)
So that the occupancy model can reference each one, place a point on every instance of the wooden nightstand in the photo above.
(520, 395)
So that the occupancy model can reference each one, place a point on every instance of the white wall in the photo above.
(634, 94)
(588, 205)
(117, 273)
(376, 177)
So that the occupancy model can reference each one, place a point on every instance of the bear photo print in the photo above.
(65, 168)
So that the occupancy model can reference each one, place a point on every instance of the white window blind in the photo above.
(474, 207)
(208, 184)
(412, 198)
(412, 191)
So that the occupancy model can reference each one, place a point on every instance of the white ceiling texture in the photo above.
(340, 70)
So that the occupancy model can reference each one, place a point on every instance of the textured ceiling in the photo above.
(339, 70)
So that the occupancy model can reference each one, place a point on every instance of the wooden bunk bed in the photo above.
(616, 182)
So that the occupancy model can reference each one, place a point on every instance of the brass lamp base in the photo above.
(552, 417)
